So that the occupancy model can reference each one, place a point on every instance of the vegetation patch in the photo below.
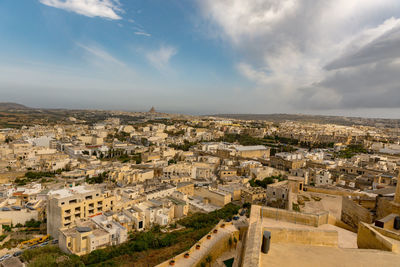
(142, 249)
(266, 181)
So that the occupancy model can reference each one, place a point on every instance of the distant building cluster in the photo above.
(91, 184)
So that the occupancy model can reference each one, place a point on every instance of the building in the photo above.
(186, 188)
(252, 151)
(68, 205)
(98, 232)
(213, 196)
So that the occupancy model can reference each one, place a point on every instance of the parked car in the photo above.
(17, 253)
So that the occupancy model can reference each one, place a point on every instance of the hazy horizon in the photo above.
(203, 57)
(337, 113)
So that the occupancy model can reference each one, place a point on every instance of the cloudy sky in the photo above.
(203, 56)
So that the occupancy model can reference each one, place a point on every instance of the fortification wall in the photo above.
(295, 217)
(333, 192)
(369, 238)
(311, 237)
(352, 213)
(252, 249)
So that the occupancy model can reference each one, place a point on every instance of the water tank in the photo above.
(396, 224)
(266, 242)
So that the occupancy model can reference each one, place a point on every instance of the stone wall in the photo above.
(217, 248)
(332, 220)
(387, 233)
(19, 216)
(252, 249)
(352, 213)
(369, 238)
(386, 206)
(311, 237)
(6, 177)
(333, 192)
(295, 217)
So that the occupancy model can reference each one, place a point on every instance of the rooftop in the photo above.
(302, 255)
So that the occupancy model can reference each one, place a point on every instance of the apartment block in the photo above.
(67, 205)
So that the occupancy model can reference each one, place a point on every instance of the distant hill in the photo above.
(12, 106)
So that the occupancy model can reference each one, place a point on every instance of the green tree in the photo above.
(209, 260)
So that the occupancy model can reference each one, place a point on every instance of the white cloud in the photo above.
(160, 58)
(142, 33)
(100, 53)
(305, 54)
(90, 8)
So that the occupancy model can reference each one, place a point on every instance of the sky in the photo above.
(332, 57)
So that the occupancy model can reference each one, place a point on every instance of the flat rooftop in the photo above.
(67, 192)
(301, 255)
(346, 239)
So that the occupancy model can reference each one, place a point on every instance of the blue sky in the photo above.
(202, 56)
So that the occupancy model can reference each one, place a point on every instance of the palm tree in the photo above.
(209, 260)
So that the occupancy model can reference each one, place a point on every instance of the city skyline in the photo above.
(203, 57)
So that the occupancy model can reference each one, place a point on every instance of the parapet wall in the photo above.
(333, 192)
(295, 217)
(213, 249)
(387, 233)
(252, 249)
(369, 238)
(312, 237)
